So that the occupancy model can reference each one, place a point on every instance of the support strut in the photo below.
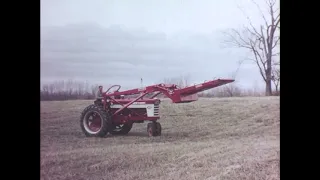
(128, 104)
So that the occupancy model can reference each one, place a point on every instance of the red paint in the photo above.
(95, 125)
(177, 95)
(124, 101)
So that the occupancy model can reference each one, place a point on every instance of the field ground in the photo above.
(219, 138)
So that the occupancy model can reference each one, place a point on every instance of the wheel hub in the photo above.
(93, 122)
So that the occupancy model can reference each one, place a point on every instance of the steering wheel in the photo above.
(113, 87)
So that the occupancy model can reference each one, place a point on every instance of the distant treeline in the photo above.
(72, 90)
(67, 90)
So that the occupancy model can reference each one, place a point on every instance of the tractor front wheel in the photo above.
(154, 129)
(121, 129)
(95, 121)
(158, 128)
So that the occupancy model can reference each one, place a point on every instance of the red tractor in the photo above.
(116, 113)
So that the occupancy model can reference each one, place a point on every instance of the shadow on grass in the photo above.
(135, 134)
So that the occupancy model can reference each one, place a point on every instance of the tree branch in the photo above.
(261, 41)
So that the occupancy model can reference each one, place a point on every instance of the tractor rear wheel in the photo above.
(121, 129)
(95, 121)
(154, 129)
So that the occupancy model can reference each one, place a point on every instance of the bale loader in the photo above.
(117, 112)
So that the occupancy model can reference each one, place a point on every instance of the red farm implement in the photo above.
(116, 113)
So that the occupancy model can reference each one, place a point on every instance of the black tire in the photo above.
(101, 115)
(125, 129)
(152, 129)
(158, 129)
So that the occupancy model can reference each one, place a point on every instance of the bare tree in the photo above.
(276, 78)
(232, 89)
(182, 81)
(261, 41)
(66, 90)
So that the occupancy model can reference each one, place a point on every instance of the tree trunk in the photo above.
(269, 72)
(269, 79)
(268, 88)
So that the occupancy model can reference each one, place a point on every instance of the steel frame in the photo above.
(172, 91)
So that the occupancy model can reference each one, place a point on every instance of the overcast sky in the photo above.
(121, 41)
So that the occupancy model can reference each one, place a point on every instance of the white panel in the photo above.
(149, 107)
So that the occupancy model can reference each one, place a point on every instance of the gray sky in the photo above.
(120, 41)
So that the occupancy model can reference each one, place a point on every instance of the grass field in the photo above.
(220, 138)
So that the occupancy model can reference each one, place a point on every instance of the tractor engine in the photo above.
(149, 107)
(139, 111)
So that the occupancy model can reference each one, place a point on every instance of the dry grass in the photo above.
(226, 138)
